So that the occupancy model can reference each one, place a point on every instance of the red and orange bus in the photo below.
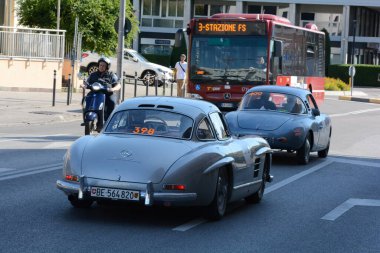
(230, 53)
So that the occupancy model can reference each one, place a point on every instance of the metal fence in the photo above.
(70, 50)
(31, 43)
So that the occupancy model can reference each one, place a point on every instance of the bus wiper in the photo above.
(224, 77)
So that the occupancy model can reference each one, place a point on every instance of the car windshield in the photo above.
(273, 101)
(138, 56)
(151, 122)
(236, 59)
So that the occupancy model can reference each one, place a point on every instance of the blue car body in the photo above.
(283, 128)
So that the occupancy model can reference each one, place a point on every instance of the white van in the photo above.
(132, 62)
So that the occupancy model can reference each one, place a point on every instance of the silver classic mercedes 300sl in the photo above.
(166, 151)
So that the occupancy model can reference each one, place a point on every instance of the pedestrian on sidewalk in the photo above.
(181, 67)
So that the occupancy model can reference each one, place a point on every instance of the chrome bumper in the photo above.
(148, 196)
(68, 187)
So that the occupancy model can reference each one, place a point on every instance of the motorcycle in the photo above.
(93, 107)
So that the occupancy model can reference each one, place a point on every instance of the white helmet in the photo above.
(106, 60)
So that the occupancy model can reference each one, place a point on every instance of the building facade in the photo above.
(354, 27)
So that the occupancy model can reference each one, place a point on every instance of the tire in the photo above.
(323, 153)
(148, 78)
(303, 154)
(258, 196)
(79, 203)
(89, 127)
(92, 67)
(217, 208)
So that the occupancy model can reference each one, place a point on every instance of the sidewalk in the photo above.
(360, 94)
(27, 108)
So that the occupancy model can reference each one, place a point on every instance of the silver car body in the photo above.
(118, 158)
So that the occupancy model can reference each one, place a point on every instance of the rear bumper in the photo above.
(147, 192)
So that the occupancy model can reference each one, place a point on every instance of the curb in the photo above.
(357, 99)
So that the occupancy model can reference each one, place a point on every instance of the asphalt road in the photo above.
(330, 205)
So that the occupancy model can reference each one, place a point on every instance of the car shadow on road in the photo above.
(121, 214)
(290, 159)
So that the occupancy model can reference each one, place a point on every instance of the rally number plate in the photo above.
(111, 193)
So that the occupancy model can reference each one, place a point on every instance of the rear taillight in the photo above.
(178, 187)
(72, 178)
(84, 55)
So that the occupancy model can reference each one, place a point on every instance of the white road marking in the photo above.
(298, 176)
(9, 140)
(353, 112)
(16, 173)
(289, 180)
(58, 144)
(28, 137)
(347, 205)
(189, 225)
(315, 168)
(356, 162)
(5, 169)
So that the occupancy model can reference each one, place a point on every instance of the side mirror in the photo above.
(278, 48)
(135, 59)
(315, 112)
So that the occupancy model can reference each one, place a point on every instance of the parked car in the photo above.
(132, 62)
(166, 151)
(288, 118)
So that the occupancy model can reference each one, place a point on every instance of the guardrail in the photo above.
(31, 43)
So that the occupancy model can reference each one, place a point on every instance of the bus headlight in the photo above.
(194, 96)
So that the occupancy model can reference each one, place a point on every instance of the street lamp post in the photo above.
(353, 42)
(352, 54)
(58, 13)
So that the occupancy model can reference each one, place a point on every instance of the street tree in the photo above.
(96, 20)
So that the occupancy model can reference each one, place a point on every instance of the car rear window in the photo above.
(151, 122)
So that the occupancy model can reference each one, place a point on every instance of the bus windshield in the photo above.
(233, 59)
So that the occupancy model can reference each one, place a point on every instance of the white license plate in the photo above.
(111, 193)
(227, 105)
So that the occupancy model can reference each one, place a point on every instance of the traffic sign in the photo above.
(127, 26)
(351, 71)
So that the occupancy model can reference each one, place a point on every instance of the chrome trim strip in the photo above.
(247, 184)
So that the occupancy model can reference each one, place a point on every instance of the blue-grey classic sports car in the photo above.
(166, 151)
(288, 118)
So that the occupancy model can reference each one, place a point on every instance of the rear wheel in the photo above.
(79, 203)
(218, 206)
(303, 154)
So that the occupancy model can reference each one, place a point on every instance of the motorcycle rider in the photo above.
(108, 79)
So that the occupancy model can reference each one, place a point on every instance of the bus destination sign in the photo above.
(230, 27)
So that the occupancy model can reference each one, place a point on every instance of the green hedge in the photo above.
(366, 75)
(163, 60)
